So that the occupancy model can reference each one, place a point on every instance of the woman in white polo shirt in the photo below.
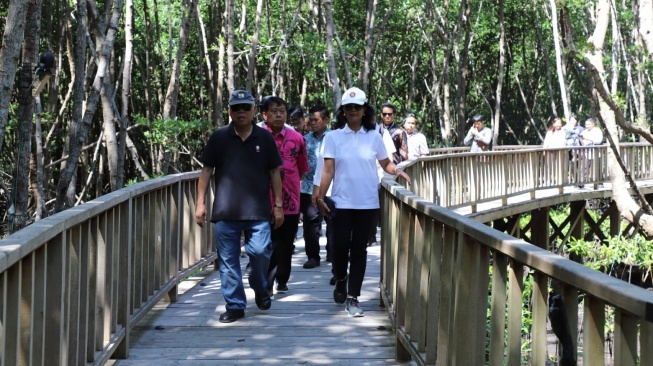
(351, 151)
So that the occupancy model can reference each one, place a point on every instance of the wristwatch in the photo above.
(278, 205)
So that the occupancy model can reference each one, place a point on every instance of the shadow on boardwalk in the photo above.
(303, 327)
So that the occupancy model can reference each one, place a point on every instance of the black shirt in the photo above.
(242, 173)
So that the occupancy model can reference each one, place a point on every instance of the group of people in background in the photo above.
(572, 134)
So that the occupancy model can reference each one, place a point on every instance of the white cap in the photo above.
(354, 96)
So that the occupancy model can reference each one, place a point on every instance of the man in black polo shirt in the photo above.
(244, 161)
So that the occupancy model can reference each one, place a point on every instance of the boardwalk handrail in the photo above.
(437, 267)
(74, 284)
(467, 179)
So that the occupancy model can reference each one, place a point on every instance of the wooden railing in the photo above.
(73, 285)
(462, 178)
(454, 288)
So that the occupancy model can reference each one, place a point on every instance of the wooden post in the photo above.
(577, 210)
(540, 227)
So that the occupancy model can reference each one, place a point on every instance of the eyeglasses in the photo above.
(387, 114)
(351, 107)
(241, 107)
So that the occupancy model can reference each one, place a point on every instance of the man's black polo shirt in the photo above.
(242, 173)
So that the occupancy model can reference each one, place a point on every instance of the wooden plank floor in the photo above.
(303, 327)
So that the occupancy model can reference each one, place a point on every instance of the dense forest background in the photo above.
(137, 86)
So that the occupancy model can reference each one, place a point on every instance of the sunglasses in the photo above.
(387, 114)
(352, 107)
(241, 107)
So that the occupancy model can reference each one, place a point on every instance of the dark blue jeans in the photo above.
(258, 247)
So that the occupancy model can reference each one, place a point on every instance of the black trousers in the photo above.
(312, 226)
(282, 244)
(351, 230)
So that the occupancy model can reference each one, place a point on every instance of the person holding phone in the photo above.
(479, 136)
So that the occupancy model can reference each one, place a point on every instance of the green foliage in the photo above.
(172, 133)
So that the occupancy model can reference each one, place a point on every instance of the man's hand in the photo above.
(200, 215)
(277, 217)
(473, 131)
(322, 206)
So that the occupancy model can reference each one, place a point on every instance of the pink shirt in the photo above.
(292, 149)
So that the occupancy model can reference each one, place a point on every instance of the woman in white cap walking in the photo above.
(351, 151)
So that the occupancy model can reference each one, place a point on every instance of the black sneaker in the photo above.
(352, 308)
(312, 263)
(263, 300)
(340, 292)
(231, 315)
(332, 281)
(282, 288)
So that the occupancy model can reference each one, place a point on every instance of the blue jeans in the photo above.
(258, 246)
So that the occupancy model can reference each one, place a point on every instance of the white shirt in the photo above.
(592, 137)
(554, 139)
(417, 145)
(355, 181)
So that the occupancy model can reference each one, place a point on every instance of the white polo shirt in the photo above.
(355, 182)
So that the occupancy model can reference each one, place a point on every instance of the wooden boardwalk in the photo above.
(303, 327)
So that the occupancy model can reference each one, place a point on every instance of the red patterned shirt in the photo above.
(292, 148)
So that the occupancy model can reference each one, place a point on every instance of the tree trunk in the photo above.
(110, 119)
(221, 53)
(646, 24)
(36, 162)
(229, 10)
(463, 69)
(547, 65)
(9, 53)
(126, 92)
(333, 74)
(216, 83)
(282, 46)
(610, 113)
(564, 94)
(170, 106)
(369, 41)
(254, 46)
(66, 196)
(25, 112)
(207, 60)
(502, 62)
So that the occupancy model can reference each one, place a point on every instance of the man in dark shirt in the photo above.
(399, 136)
(244, 162)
